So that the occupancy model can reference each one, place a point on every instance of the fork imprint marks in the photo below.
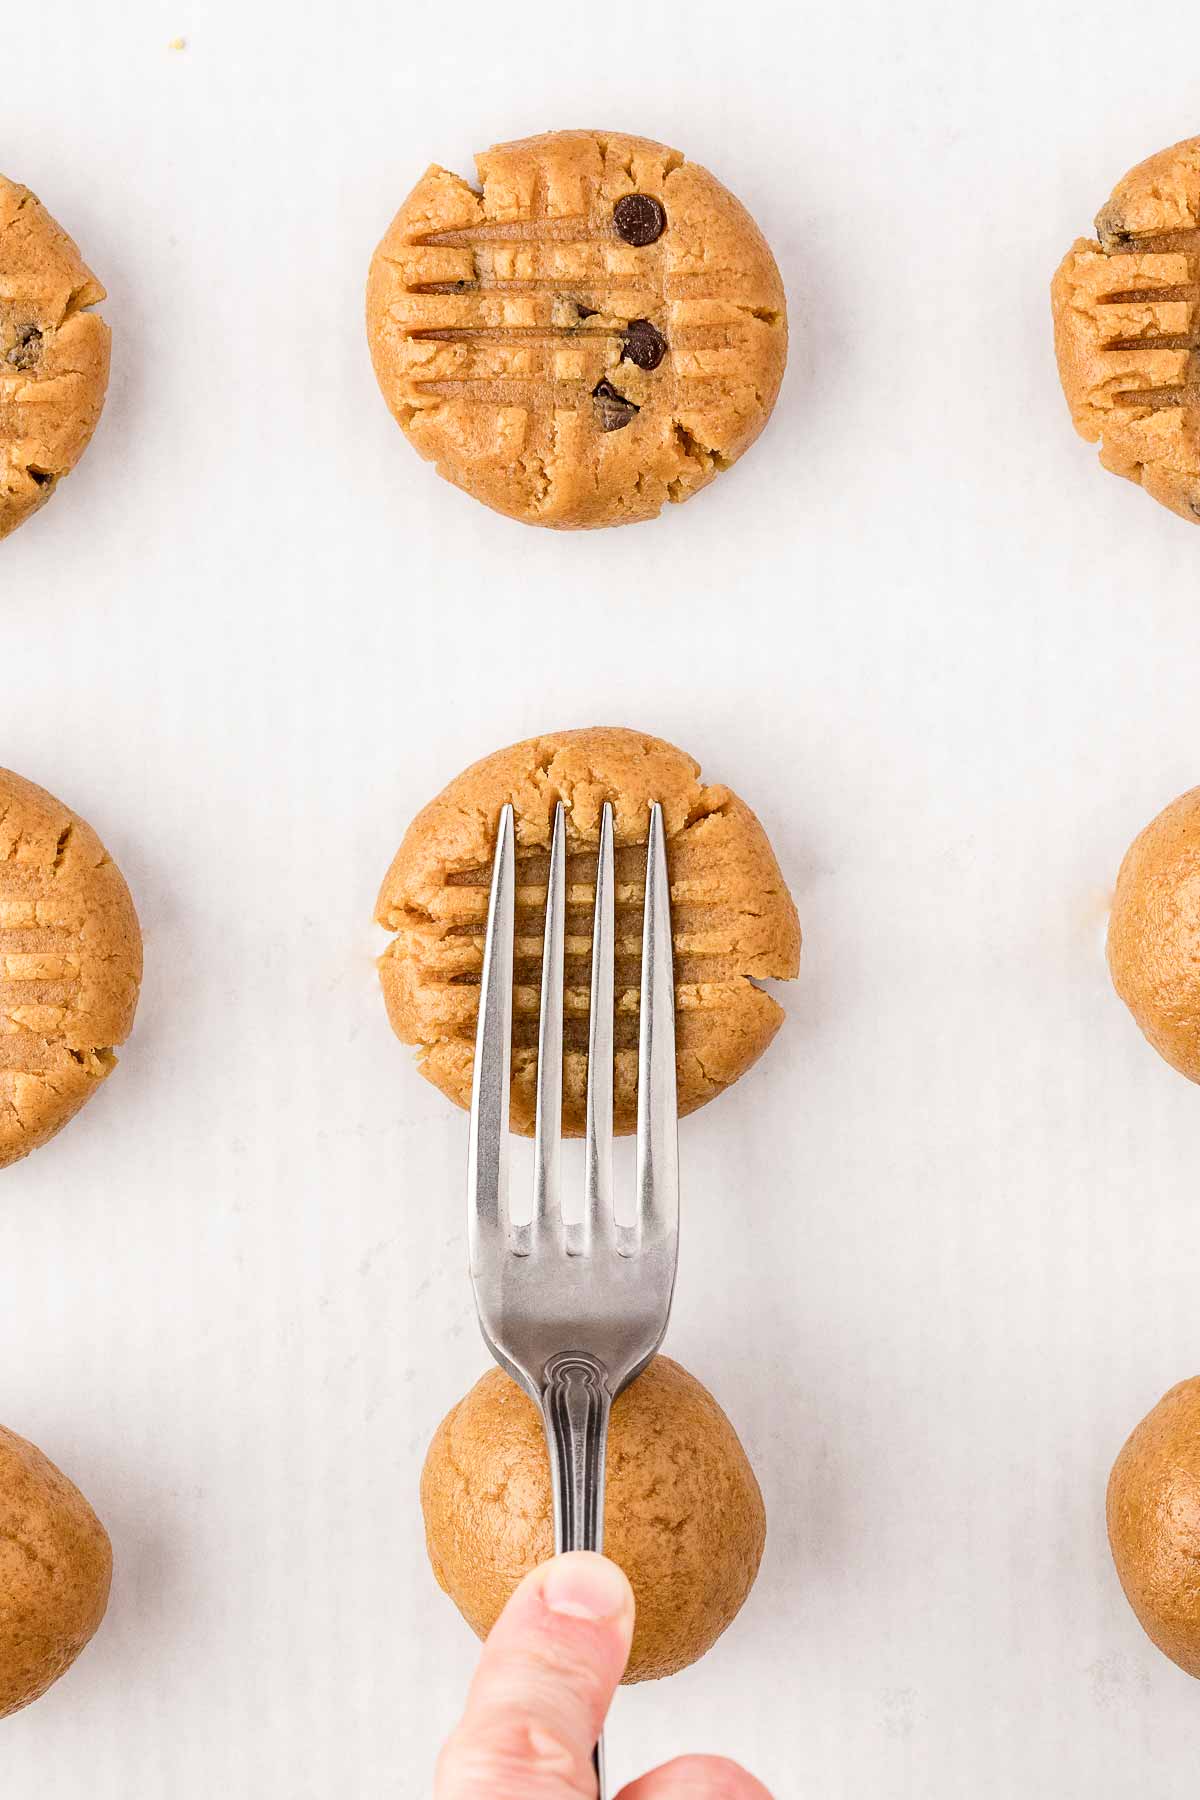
(564, 268)
(704, 933)
(39, 969)
(693, 920)
(1155, 396)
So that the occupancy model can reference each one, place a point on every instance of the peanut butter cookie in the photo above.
(599, 329)
(1127, 329)
(53, 355)
(70, 965)
(1154, 1523)
(683, 1514)
(1154, 933)
(733, 918)
(55, 1571)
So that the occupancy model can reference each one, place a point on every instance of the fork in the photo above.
(575, 1310)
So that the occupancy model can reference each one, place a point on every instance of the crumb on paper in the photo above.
(178, 43)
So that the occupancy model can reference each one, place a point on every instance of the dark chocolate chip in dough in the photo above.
(639, 219)
(645, 345)
(613, 410)
(1112, 230)
(27, 350)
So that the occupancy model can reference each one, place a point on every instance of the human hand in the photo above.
(545, 1681)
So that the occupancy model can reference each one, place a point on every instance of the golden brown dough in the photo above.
(1154, 1523)
(54, 355)
(1154, 933)
(559, 371)
(1126, 308)
(683, 1515)
(55, 1570)
(734, 922)
(70, 965)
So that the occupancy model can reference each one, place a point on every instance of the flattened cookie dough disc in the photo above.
(1126, 310)
(55, 1571)
(683, 1515)
(600, 330)
(53, 355)
(70, 965)
(733, 918)
(1154, 933)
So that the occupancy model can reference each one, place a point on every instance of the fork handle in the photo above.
(576, 1403)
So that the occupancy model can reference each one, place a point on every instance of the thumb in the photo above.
(545, 1681)
(697, 1778)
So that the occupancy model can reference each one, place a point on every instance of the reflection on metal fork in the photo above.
(575, 1312)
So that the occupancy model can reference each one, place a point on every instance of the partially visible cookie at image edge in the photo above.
(1154, 933)
(598, 329)
(1153, 1511)
(70, 965)
(734, 924)
(1126, 308)
(55, 1573)
(54, 355)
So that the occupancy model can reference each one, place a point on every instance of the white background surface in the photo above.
(942, 1245)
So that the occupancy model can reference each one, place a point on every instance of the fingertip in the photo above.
(697, 1778)
(583, 1585)
(546, 1678)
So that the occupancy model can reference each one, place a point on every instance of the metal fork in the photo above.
(575, 1311)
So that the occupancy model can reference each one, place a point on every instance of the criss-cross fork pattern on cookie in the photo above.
(732, 919)
(70, 965)
(1148, 311)
(564, 361)
(1127, 328)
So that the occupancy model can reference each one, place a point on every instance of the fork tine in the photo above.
(598, 1221)
(487, 1159)
(658, 1116)
(548, 1132)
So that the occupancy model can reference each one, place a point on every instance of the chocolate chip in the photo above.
(639, 219)
(613, 410)
(28, 348)
(1112, 230)
(645, 345)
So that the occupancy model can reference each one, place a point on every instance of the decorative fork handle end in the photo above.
(576, 1403)
(575, 1406)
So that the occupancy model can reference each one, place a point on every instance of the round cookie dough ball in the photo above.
(1154, 1523)
(70, 965)
(55, 1570)
(733, 920)
(1154, 933)
(683, 1515)
(1125, 307)
(53, 355)
(596, 330)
